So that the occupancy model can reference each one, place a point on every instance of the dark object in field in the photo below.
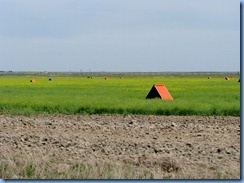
(89, 77)
(239, 80)
(106, 78)
(209, 77)
(50, 79)
(159, 91)
(226, 78)
(32, 80)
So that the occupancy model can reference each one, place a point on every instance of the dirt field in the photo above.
(166, 146)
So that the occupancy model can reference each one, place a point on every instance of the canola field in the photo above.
(81, 95)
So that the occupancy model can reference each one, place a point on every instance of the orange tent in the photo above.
(32, 80)
(160, 91)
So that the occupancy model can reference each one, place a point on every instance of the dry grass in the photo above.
(40, 166)
(36, 167)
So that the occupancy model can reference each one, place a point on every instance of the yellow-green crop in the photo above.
(81, 95)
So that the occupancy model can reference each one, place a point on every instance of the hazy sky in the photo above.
(120, 35)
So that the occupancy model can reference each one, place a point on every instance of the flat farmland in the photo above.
(81, 95)
(119, 146)
(83, 128)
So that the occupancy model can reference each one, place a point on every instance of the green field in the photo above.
(81, 95)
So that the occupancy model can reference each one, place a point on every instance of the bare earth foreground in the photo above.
(176, 147)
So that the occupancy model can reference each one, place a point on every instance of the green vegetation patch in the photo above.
(82, 95)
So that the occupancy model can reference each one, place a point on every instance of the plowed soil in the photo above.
(167, 146)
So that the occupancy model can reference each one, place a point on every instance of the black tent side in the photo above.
(153, 93)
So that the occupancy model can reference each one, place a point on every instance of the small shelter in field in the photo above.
(33, 79)
(227, 78)
(160, 91)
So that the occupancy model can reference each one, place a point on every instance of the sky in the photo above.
(120, 35)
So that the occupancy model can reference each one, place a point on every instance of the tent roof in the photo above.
(159, 90)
